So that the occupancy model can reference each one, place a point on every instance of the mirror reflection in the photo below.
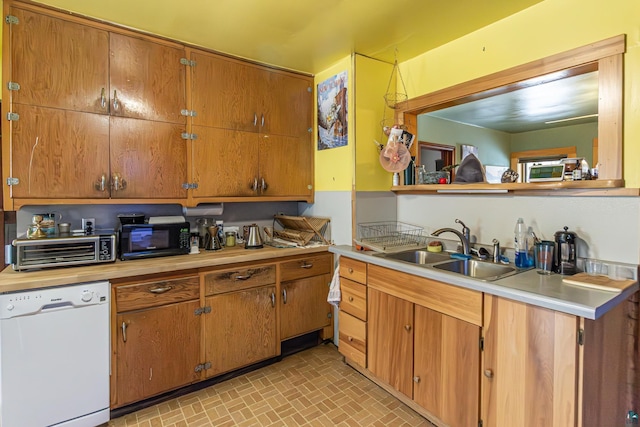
(535, 122)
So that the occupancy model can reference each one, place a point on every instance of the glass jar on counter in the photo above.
(230, 238)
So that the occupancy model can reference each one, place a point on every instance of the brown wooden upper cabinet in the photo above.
(97, 111)
(94, 114)
(45, 56)
(252, 123)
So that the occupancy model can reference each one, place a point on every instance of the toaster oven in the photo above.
(58, 251)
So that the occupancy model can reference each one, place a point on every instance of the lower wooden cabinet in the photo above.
(390, 340)
(446, 367)
(543, 367)
(425, 347)
(157, 338)
(304, 306)
(240, 329)
(174, 329)
(304, 289)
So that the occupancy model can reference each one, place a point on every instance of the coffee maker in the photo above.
(565, 255)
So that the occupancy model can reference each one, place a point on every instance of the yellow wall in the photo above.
(334, 167)
(372, 79)
(546, 28)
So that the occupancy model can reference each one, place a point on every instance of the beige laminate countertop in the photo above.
(528, 287)
(11, 281)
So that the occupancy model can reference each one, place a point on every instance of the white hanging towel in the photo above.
(334, 289)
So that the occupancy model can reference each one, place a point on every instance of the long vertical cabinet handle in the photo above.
(284, 296)
(255, 119)
(273, 299)
(116, 103)
(124, 331)
(262, 121)
(103, 98)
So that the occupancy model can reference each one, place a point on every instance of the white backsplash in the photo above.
(608, 228)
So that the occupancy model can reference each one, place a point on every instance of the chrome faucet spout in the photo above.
(464, 240)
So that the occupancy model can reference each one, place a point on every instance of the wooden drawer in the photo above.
(306, 267)
(156, 292)
(353, 338)
(354, 298)
(237, 279)
(353, 270)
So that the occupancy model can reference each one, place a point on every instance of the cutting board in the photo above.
(602, 283)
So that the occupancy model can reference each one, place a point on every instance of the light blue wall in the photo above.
(493, 146)
(579, 135)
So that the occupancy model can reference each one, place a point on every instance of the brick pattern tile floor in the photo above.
(311, 388)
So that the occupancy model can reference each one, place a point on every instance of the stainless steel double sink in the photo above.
(477, 269)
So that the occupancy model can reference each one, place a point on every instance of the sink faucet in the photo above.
(496, 250)
(464, 236)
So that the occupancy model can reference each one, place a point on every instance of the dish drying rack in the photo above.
(389, 236)
(301, 229)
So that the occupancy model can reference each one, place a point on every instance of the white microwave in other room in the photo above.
(542, 173)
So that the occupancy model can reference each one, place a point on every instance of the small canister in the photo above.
(230, 238)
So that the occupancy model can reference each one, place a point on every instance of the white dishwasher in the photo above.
(54, 356)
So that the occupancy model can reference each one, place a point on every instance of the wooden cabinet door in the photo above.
(529, 365)
(160, 352)
(58, 153)
(147, 80)
(224, 163)
(58, 63)
(241, 329)
(304, 306)
(446, 368)
(224, 91)
(286, 166)
(390, 340)
(150, 156)
(287, 106)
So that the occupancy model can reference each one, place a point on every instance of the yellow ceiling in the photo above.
(304, 35)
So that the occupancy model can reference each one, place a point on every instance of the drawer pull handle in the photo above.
(488, 373)
(350, 270)
(305, 265)
(407, 328)
(350, 299)
(161, 290)
(124, 331)
(242, 277)
(350, 338)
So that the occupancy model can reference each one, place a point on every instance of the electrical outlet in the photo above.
(88, 225)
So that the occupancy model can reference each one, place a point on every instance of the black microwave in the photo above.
(153, 240)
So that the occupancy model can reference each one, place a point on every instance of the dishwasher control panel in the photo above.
(50, 299)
